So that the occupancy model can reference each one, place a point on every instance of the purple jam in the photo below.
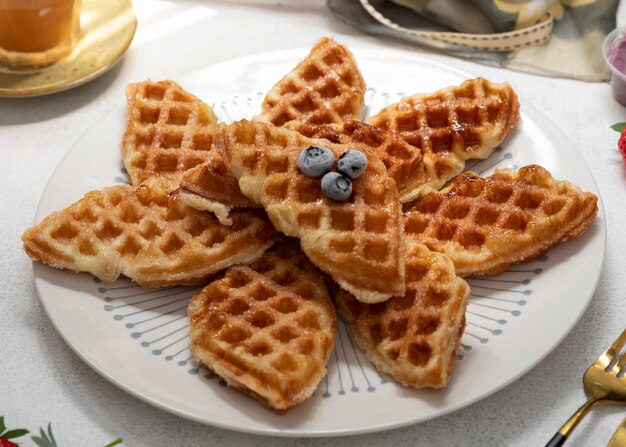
(617, 60)
(617, 55)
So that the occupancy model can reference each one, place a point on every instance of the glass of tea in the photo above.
(36, 33)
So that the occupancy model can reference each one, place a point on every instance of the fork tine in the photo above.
(614, 349)
(618, 367)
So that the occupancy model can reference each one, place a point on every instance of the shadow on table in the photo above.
(15, 111)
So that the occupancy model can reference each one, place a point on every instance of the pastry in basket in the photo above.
(168, 131)
(486, 224)
(358, 241)
(325, 87)
(147, 234)
(403, 161)
(413, 337)
(267, 328)
(453, 125)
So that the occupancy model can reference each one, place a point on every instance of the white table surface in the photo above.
(42, 380)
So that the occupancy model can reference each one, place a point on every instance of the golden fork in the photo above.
(619, 438)
(602, 385)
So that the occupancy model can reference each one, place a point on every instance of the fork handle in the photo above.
(561, 436)
(557, 440)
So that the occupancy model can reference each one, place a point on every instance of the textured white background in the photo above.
(42, 380)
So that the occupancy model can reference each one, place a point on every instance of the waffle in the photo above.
(413, 337)
(402, 160)
(145, 233)
(267, 328)
(168, 131)
(486, 224)
(452, 125)
(358, 242)
(211, 187)
(326, 87)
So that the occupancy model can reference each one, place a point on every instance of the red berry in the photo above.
(621, 144)
(7, 443)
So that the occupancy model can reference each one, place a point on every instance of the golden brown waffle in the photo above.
(413, 337)
(267, 328)
(168, 131)
(326, 87)
(358, 242)
(402, 160)
(452, 125)
(486, 224)
(145, 233)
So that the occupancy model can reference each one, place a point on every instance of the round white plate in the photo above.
(137, 338)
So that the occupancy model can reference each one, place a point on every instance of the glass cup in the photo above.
(614, 52)
(36, 33)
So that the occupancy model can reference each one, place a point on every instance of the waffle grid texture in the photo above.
(267, 328)
(168, 131)
(413, 337)
(486, 224)
(452, 125)
(145, 233)
(325, 87)
(358, 242)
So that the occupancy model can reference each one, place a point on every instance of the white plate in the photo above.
(137, 338)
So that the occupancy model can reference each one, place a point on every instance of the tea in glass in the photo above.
(37, 32)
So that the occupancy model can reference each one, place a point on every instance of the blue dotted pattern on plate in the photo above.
(157, 318)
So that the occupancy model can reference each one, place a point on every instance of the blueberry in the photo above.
(336, 187)
(316, 161)
(352, 163)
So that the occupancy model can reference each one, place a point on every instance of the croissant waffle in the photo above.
(403, 161)
(486, 224)
(168, 131)
(413, 337)
(358, 242)
(267, 328)
(326, 87)
(452, 125)
(145, 233)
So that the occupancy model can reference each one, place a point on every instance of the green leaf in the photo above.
(618, 126)
(46, 439)
(41, 441)
(116, 442)
(15, 433)
(2, 426)
(53, 441)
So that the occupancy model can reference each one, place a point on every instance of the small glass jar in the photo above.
(36, 33)
(614, 52)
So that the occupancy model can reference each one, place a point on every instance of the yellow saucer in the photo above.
(107, 29)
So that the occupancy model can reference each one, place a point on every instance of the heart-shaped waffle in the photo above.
(168, 131)
(147, 234)
(452, 125)
(267, 328)
(325, 87)
(413, 337)
(358, 242)
(486, 224)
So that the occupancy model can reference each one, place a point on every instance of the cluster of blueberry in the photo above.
(318, 162)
